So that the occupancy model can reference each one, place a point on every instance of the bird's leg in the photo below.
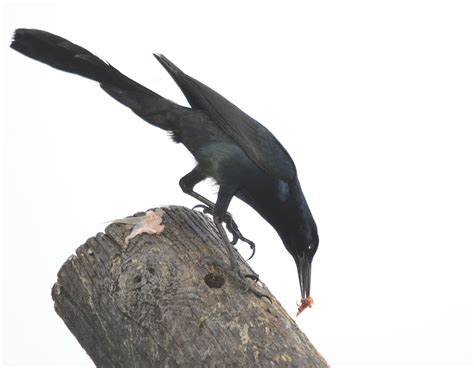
(187, 184)
(220, 209)
(231, 227)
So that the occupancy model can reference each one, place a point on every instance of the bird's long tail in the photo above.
(64, 55)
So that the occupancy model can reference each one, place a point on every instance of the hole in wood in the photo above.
(214, 280)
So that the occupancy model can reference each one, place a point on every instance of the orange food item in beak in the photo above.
(305, 303)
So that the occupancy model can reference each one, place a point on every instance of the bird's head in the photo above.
(299, 233)
(303, 257)
(302, 246)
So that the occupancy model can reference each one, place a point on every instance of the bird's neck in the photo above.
(298, 228)
(292, 213)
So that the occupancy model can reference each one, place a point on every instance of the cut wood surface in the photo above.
(162, 303)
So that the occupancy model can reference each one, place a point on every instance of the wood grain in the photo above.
(161, 303)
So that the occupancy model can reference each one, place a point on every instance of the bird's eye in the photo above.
(311, 246)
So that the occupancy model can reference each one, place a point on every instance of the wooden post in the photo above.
(159, 303)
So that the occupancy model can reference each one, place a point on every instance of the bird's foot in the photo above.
(231, 227)
(235, 272)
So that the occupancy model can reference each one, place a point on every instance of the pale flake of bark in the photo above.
(151, 223)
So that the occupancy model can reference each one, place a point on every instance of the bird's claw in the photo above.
(205, 209)
(234, 269)
(237, 235)
(231, 227)
(253, 277)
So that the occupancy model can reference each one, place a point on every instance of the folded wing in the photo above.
(256, 141)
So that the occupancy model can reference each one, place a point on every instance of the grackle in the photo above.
(240, 154)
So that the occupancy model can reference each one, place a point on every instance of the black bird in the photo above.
(240, 154)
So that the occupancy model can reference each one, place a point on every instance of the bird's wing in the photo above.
(255, 140)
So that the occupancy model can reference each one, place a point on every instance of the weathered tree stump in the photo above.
(159, 303)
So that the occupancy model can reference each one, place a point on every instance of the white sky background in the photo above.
(373, 100)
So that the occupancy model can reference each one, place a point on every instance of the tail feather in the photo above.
(59, 53)
(62, 54)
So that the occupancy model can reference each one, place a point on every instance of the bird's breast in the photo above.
(228, 165)
(225, 163)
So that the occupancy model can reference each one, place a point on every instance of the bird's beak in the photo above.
(303, 264)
